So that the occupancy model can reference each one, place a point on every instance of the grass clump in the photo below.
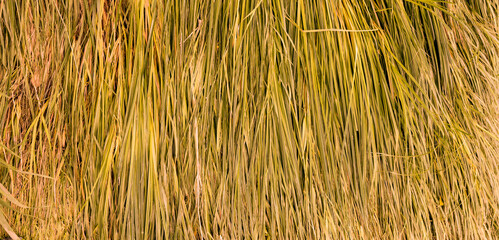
(249, 119)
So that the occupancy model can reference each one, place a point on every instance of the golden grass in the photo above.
(189, 119)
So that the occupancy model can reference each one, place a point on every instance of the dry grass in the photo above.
(189, 119)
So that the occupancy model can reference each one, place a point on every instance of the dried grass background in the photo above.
(250, 119)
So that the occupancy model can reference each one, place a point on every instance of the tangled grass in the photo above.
(211, 119)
